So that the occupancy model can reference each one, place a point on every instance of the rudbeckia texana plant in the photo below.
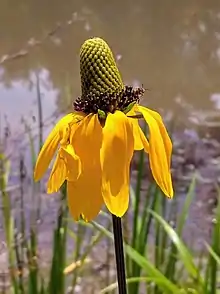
(95, 143)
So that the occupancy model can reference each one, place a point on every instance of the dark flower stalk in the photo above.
(119, 254)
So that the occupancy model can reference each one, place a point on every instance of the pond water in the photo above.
(172, 49)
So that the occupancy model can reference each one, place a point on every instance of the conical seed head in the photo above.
(98, 69)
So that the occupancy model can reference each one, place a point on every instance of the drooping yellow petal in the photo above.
(138, 145)
(165, 136)
(140, 141)
(144, 141)
(49, 148)
(116, 153)
(159, 151)
(67, 166)
(57, 176)
(84, 195)
(72, 162)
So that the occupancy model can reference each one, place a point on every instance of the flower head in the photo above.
(95, 143)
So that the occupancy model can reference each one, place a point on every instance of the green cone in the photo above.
(98, 69)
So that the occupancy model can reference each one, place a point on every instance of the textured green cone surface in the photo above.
(98, 69)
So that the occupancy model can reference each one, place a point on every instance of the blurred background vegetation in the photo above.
(173, 49)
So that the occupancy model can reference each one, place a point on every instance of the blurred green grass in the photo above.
(164, 265)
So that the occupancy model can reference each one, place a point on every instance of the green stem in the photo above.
(40, 122)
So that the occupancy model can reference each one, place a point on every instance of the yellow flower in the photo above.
(95, 148)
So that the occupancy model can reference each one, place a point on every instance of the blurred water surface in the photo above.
(173, 49)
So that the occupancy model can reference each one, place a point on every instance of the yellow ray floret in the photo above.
(96, 161)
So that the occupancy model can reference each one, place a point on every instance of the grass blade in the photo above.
(147, 266)
(184, 254)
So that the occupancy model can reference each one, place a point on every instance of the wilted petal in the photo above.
(116, 154)
(50, 146)
(84, 195)
(160, 150)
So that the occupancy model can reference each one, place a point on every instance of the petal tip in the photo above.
(51, 190)
(120, 214)
(36, 176)
(169, 194)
